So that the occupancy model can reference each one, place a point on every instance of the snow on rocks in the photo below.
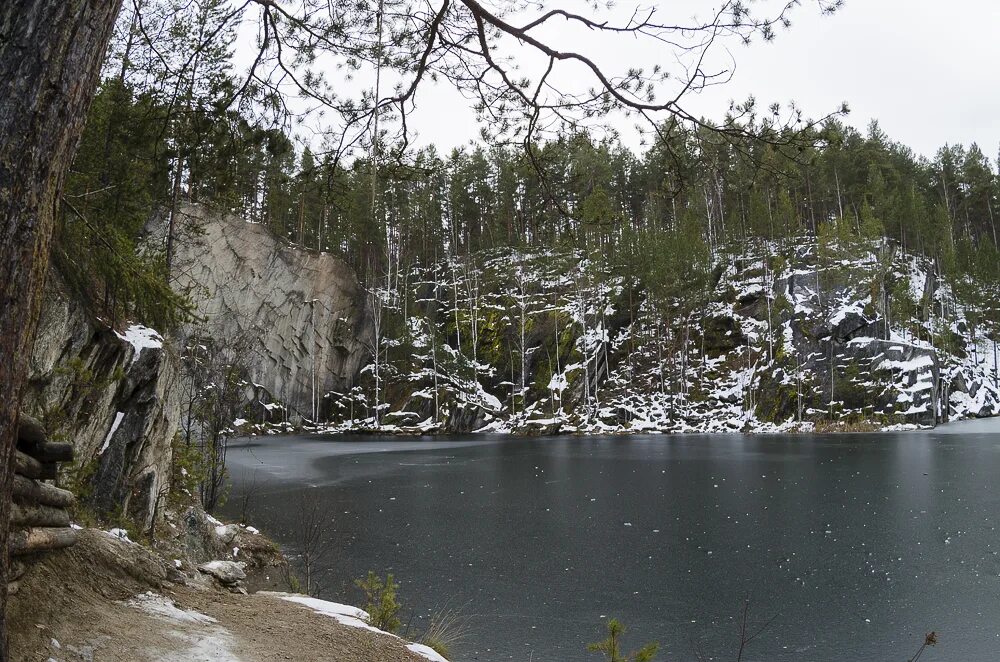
(111, 433)
(141, 337)
(230, 532)
(120, 534)
(777, 345)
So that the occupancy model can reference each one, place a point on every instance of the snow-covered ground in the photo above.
(196, 637)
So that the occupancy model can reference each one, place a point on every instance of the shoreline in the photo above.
(986, 424)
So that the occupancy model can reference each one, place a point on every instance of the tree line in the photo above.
(143, 151)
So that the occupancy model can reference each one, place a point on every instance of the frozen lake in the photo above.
(855, 545)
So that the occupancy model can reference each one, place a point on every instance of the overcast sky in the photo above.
(928, 70)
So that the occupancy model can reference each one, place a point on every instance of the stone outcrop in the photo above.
(788, 337)
(112, 395)
(303, 310)
(885, 371)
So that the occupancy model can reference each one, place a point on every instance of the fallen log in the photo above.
(29, 541)
(25, 514)
(27, 466)
(26, 490)
(29, 429)
(48, 451)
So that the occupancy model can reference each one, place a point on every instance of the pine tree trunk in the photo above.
(50, 58)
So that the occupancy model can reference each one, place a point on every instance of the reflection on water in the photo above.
(855, 544)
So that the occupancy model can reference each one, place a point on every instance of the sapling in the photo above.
(611, 647)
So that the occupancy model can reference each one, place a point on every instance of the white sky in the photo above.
(926, 69)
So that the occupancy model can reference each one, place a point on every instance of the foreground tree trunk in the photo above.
(50, 61)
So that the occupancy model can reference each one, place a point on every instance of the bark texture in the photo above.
(50, 60)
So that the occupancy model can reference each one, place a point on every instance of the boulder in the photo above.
(229, 573)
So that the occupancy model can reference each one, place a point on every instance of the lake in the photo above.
(851, 547)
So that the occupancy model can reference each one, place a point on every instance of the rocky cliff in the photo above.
(302, 310)
(789, 336)
(783, 336)
(112, 394)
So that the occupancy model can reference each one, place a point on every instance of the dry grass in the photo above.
(448, 628)
(826, 427)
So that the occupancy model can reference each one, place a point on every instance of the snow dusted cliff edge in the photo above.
(789, 336)
(113, 395)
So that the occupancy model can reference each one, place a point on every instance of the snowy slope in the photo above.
(787, 337)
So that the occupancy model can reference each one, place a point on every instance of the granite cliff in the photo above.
(303, 311)
(113, 395)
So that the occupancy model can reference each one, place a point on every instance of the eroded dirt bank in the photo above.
(109, 600)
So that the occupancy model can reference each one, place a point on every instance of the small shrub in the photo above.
(78, 479)
(290, 579)
(611, 647)
(850, 424)
(187, 471)
(119, 519)
(381, 604)
(86, 385)
(437, 645)
(930, 639)
(447, 629)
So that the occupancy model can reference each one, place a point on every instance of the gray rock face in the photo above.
(304, 310)
(115, 401)
(886, 379)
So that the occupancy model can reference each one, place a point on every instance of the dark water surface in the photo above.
(856, 545)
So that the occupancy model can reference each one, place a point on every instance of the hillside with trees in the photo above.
(219, 220)
(494, 259)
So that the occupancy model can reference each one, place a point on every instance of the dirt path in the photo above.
(94, 603)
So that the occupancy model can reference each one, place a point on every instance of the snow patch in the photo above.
(141, 337)
(426, 652)
(114, 427)
(352, 617)
(121, 534)
(344, 614)
(158, 605)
